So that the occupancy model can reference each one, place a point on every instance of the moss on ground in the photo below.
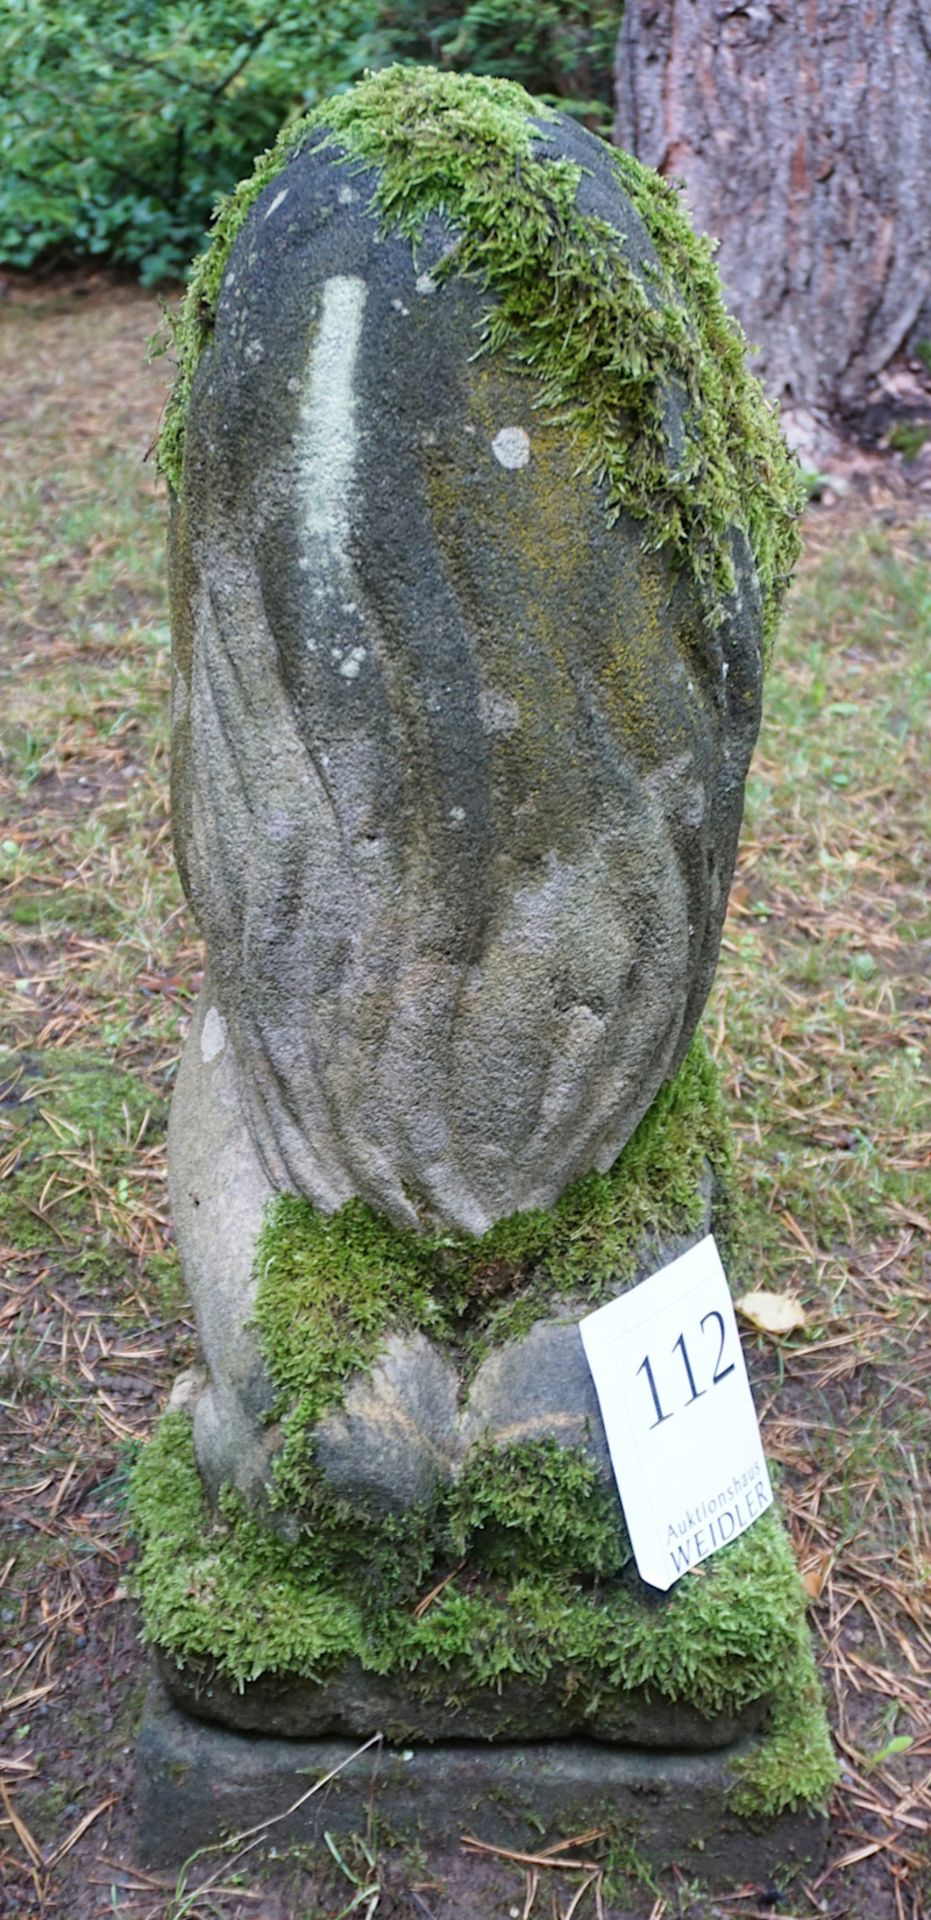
(73, 1123)
(218, 1588)
(64, 907)
(605, 347)
(331, 1287)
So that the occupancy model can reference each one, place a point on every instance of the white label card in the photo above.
(679, 1416)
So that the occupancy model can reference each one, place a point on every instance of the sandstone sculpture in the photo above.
(479, 528)
(459, 755)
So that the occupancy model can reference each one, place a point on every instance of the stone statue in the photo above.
(478, 529)
(459, 765)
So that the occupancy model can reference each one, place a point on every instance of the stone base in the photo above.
(349, 1701)
(198, 1783)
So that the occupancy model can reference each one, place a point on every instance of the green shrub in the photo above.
(125, 119)
(559, 50)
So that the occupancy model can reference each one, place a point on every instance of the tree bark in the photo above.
(801, 131)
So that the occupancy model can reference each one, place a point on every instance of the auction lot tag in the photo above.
(679, 1416)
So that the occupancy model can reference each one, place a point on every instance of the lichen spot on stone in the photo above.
(511, 447)
(351, 664)
(328, 420)
(276, 203)
(212, 1035)
(180, 696)
(425, 283)
(498, 712)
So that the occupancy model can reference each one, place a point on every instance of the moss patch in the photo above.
(73, 1123)
(216, 1588)
(330, 1287)
(795, 1767)
(533, 1505)
(529, 1541)
(908, 437)
(605, 347)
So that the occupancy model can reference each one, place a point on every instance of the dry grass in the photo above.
(821, 1013)
(821, 1018)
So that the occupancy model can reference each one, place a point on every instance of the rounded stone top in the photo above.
(478, 522)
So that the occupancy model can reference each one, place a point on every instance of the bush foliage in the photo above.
(126, 119)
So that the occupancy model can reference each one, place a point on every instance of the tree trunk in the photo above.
(801, 131)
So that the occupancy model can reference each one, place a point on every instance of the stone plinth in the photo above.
(199, 1783)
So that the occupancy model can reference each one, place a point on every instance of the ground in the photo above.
(819, 1017)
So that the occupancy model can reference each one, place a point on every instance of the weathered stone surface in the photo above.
(408, 1424)
(458, 768)
(411, 1421)
(540, 1387)
(396, 1432)
(353, 1701)
(219, 1191)
(458, 774)
(198, 1782)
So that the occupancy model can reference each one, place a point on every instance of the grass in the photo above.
(907, 437)
(819, 1019)
(820, 998)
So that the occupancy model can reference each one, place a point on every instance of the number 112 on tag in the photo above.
(678, 1413)
(720, 1372)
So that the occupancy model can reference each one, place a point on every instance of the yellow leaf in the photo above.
(772, 1312)
(815, 1574)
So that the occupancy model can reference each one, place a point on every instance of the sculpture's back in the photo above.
(460, 743)
(479, 527)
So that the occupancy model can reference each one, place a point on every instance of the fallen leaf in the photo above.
(815, 1575)
(772, 1312)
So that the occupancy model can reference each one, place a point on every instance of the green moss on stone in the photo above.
(331, 1287)
(605, 348)
(535, 1505)
(218, 1588)
(218, 1584)
(795, 1767)
(539, 1587)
